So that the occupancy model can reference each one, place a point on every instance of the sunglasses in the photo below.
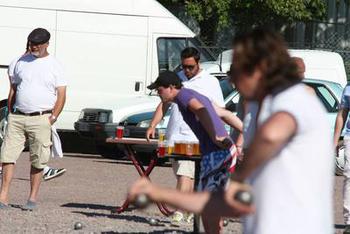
(188, 67)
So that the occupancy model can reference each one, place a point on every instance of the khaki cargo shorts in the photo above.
(184, 168)
(37, 129)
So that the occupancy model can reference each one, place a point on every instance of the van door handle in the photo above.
(138, 86)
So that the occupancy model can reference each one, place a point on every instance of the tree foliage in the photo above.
(218, 14)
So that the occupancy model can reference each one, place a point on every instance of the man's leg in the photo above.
(212, 223)
(11, 148)
(346, 186)
(35, 180)
(8, 169)
(39, 135)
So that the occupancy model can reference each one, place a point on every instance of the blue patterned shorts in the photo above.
(214, 170)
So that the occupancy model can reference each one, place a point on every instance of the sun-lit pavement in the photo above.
(91, 187)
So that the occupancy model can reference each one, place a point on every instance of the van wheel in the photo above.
(3, 120)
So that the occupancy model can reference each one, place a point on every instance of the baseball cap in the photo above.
(39, 36)
(165, 79)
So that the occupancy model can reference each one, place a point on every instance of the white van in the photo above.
(111, 50)
(319, 64)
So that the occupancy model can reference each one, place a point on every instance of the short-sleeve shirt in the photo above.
(345, 103)
(203, 83)
(182, 100)
(37, 80)
(293, 190)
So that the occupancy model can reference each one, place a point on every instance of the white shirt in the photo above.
(293, 190)
(203, 83)
(37, 80)
(249, 123)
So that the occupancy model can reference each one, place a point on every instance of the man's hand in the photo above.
(223, 142)
(230, 200)
(142, 186)
(52, 119)
(150, 133)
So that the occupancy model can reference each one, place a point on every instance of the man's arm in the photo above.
(229, 118)
(162, 108)
(192, 202)
(204, 118)
(339, 124)
(61, 99)
(11, 97)
(269, 139)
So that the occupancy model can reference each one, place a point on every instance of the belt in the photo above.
(18, 112)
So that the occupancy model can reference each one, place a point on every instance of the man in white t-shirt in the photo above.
(37, 93)
(49, 172)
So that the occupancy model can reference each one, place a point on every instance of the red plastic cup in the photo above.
(161, 150)
(119, 132)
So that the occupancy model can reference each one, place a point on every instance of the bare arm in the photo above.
(162, 108)
(61, 99)
(11, 97)
(192, 202)
(268, 140)
(339, 124)
(228, 117)
(202, 113)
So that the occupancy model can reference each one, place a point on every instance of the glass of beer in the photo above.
(177, 147)
(161, 135)
(189, 148)
(119, 132)
(196, 150)
(183, 147)
(170, 148)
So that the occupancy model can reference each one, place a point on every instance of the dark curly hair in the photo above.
(267, 50)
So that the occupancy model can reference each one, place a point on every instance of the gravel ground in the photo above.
(88, 191)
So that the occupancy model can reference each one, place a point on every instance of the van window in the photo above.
(169, 52)
(325, 96)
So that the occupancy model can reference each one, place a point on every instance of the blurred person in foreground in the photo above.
(292, 135)
(341, 121)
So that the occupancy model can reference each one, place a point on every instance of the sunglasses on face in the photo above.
(188, 67)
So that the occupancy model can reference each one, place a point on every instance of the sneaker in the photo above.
(176, 218)
(53, 172)
(347, 229)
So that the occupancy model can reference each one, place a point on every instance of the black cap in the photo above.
(165, 79)
(39, 36)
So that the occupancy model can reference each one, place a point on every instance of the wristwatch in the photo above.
(53, 117)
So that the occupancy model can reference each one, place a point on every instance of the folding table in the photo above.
(143, 171)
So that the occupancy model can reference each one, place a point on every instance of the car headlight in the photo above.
(144, 123)
(81, 115)
(103, 117)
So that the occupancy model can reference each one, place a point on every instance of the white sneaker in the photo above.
(53, 172)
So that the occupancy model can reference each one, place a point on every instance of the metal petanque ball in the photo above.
(78, 226)
(225, 222)
(153, 221)
(141, 201)
(244, 197)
